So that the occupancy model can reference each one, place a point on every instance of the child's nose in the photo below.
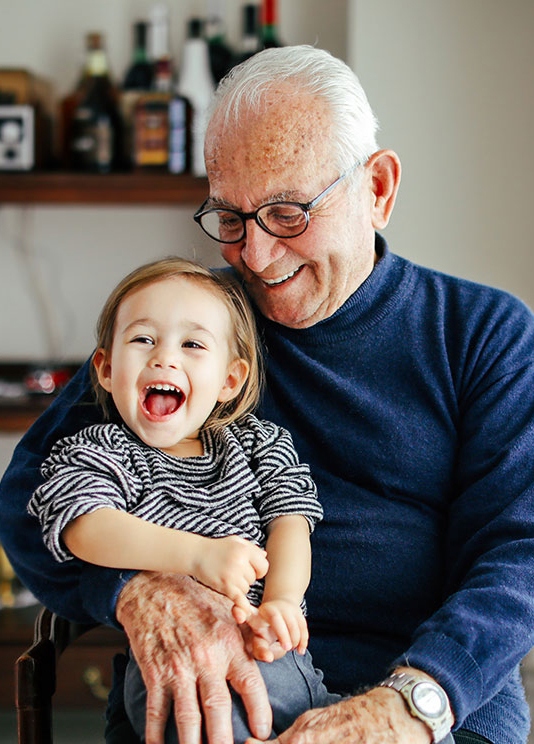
(165, 358)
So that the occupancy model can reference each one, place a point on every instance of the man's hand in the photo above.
(187, 645)
(377, 717)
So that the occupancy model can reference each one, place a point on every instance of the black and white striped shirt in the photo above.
(248, 475)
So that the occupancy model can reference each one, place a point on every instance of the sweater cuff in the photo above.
(452, 667)
(100, 588)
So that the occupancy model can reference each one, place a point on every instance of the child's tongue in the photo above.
(161, 404)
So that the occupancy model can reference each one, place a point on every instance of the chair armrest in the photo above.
(35, 675)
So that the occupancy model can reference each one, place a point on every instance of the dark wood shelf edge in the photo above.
(150, 188)
(19, 418)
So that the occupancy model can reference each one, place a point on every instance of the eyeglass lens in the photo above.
(283, 220)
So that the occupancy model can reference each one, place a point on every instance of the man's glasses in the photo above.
(280, 219)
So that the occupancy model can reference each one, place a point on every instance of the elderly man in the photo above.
(409, 393)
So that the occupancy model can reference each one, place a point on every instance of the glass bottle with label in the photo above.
(137, 81)
(151, 113)
(96, 129)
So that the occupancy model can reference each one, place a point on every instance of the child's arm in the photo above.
(289, 555)
(113, 538)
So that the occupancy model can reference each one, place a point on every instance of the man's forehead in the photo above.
(287, 135)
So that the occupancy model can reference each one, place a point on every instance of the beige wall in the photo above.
(72, 257)
(452, 83)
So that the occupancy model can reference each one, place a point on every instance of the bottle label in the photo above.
(151, 132)
(92, 143)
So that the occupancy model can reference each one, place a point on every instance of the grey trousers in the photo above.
(293, 685)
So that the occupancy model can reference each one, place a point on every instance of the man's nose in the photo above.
(260, 249)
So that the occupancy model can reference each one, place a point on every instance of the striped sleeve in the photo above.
(83, 473)
(286, 484)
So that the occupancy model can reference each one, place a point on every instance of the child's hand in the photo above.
(230, 565)
(288, 623)
(280, 626)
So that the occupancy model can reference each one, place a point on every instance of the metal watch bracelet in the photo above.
(425, 700)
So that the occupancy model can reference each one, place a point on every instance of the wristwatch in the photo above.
(426, 701)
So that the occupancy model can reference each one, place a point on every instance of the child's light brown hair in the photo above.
(244, 343)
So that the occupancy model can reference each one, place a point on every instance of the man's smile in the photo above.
(280, 279)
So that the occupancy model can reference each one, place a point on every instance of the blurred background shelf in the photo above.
(110, 188)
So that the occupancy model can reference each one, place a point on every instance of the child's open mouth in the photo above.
(162, 399)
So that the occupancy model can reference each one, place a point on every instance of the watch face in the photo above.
(428, 699)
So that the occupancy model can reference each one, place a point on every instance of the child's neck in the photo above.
(185, 448)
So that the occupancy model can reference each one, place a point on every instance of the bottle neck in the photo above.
(269, 16)
(139, 47)
(97, 64)
(269, 23)
(196, 61)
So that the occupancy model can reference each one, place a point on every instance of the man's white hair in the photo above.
(310, 70)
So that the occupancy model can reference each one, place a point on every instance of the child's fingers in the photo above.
(259, 562)
(304, 635)
(278, 624)
(242, 604)
(239, 614)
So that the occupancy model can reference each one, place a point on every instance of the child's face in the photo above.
(170, 362)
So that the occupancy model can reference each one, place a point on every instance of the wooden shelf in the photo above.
(150, 188)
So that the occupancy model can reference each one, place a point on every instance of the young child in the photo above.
(190, 481)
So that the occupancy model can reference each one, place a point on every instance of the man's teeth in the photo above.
(167, 388)
(280, 279)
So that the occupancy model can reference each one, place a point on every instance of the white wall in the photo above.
(72, 257)
(452, 84)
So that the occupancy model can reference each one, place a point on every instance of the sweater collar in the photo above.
(373, 299)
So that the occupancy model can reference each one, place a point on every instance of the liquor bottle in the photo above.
(160, 48)
(269, 25)
(137, 80)
(140, 74)
(95, 137)
(221, 56)
(196, 83)
(67, 108)
(250, 41)
(151, 113)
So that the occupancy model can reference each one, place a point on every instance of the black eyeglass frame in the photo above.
(306, 207)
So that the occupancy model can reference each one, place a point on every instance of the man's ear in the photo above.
(103, 368)
(236, 377)
(384, 169)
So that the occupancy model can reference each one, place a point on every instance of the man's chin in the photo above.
(291, 315)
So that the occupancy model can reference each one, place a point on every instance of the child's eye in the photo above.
(192, 345)
(142, 340)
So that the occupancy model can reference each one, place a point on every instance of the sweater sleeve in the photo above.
(286, 484)
(83, 473)
(80, 592)
(486, 624)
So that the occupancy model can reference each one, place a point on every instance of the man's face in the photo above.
(283, 152)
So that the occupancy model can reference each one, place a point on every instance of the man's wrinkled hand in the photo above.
(187, 646)
(377, 717)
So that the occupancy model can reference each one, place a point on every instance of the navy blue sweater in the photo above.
(414, 406)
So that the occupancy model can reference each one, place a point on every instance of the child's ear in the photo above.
(103, 368)
(236, 377)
